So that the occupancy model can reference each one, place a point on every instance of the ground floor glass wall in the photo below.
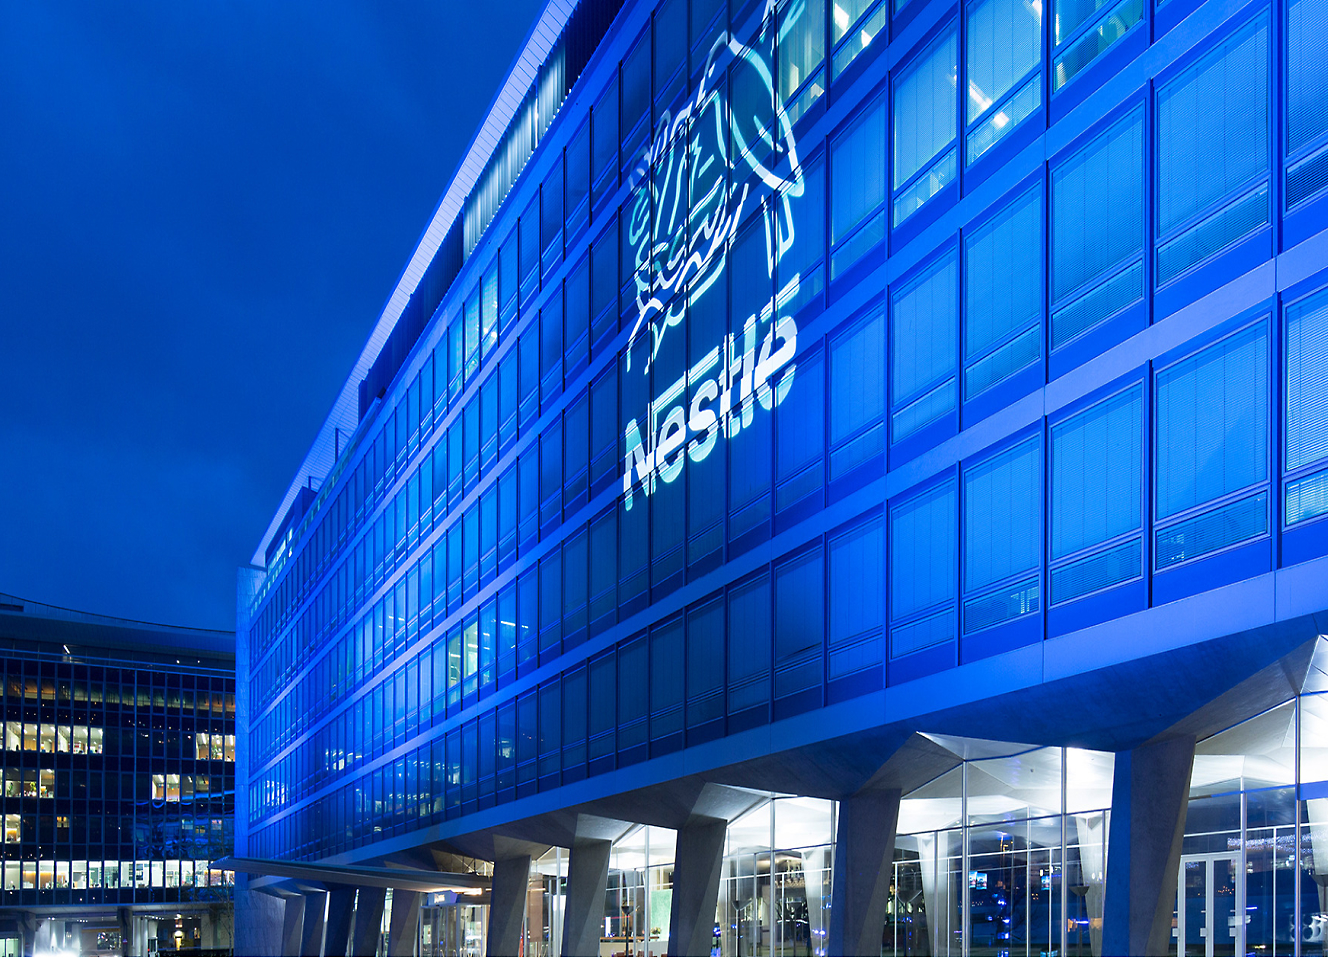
(1004, 853)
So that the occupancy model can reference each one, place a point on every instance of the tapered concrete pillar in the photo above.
(368, 923)
(340, 911)
(403, 930)
(696, 868)
(1149, 796)
(583, 914)
(507, 904)
(860, 891)
(315, 917)
(292, 925)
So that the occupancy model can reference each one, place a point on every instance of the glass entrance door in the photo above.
(1208, 906)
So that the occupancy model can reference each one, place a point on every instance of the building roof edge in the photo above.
(344, 416)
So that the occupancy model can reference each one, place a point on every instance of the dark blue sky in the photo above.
(205, 207)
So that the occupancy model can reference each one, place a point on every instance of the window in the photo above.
(551, 348)
(857, 183)
(603, 575)
(800, 435)
(801, 55)
(550, 732)
(1307, 409)
(1003, 294)
(666, 680)
(577, 319)
(530, 249)
(800, 232)
(576, 435)
(1096, 497)
(669, 193)
(604, 427)
(578, 183)
(1004, 60)
(1084, 30)
(750, 454)
(633, 693)
(551, 213)
(507, 280)
(1002, 537)
(923, 336)
(852, 28)
(923, 544)
(924, 154)
(489, 310)
(706, 481)
(633, 553)
(857, 395)
(857, 598)
(574, 589)
(749, 644)
(574, 720)
(604, 144)
(670, 51)
(750, 276)
(1306, 92)
(550, 603)
(752, 99)
(1212, 152)
(635, 102)
(1212, 448)
(604, 286)
(799, 626)
(601, 719)
(705, 663)
(1097, 216)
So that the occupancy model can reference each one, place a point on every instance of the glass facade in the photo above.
(713, 431)
(118, 772)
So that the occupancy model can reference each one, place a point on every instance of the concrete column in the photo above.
(340, 910)
(368, 922)
(507, 904)
(587, 880)
(1149, 796)
(403, 931)
(292, 925)
(124, 918)
(315, 919)
(696, 869)
(860, 891)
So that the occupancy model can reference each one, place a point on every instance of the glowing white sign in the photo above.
(682, 250)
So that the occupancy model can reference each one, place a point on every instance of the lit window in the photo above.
(924, 134)
(1004, 60)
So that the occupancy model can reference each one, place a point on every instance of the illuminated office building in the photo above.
(831, 476)
(118, 770)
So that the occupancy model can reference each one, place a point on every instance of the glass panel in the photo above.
(1004, 43)
(1096, 463)
(1212, 127)
(1101, 185)
(925, 109)
(1211, 421)
(1002, 516)
(923, 335)
(1307, 72)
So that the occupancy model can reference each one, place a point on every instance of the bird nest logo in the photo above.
(701, 176)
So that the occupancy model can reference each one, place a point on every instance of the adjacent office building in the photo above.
(834, 477)
(118, 774)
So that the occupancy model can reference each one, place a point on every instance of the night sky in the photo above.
(205, 208)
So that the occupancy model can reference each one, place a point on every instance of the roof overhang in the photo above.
(366, 876)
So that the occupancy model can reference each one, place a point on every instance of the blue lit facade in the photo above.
(796, 382)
